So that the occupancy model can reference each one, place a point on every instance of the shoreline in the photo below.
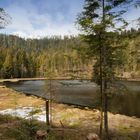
(4, 85)
(60, 78)
(34, 79)
(11, 91)
(70, 116)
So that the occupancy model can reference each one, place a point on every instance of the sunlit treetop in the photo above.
(114, 10)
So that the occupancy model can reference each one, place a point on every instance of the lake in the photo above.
(124, 100)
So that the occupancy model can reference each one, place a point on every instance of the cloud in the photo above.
(39, 18)
(36, 20)
(53, 30)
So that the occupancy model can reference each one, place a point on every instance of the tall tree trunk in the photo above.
(101, 95)
(105, 111)
(105, 80)
(47, 112)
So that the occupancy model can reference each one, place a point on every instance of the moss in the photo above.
(35, 111)
(74, 125)
(7, 119)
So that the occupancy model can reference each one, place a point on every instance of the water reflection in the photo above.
(125, 100)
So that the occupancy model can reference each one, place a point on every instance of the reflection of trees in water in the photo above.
(51, 87)
(127, 104)
(121, 99)
(126, 100)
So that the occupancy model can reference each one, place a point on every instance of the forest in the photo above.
(66, 56)
(95, 72)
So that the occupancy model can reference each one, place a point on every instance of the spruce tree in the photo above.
(101, 21)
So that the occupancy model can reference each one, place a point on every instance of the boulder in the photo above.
(92, 136)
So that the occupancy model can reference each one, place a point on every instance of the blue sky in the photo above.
(39, 18)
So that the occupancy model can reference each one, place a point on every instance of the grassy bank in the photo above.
(11, 99)
(74, 122)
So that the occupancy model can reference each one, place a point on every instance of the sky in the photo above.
(40, 18)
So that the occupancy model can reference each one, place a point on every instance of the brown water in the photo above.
(125, 100)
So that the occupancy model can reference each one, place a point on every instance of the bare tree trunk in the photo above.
(101, 95)
(106, 111)
(47, 112)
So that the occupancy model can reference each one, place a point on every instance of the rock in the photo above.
(41, 134)
(86, 108)
(92, 136)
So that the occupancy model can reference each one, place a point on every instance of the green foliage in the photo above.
(102, 25)
(38, 58)
(26, 131)
(35, 111)
(102, 22)
(68, 57)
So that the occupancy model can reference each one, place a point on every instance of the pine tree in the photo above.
(5, 19)
(101, 22)
(8, 66)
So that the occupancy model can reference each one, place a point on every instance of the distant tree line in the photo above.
(129, 56)
(64, 57)
(37, 57)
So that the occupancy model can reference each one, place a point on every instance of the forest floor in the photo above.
(69, 122)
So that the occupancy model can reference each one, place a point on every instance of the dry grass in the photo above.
(90, 119)
(83, 120)
(11, 99)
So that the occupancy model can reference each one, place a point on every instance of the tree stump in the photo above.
(41, 134)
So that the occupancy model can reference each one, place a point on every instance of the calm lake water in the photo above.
(125, 100)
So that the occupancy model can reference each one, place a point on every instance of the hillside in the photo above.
(63, 57)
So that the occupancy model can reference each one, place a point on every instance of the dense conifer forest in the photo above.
(63, 56)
